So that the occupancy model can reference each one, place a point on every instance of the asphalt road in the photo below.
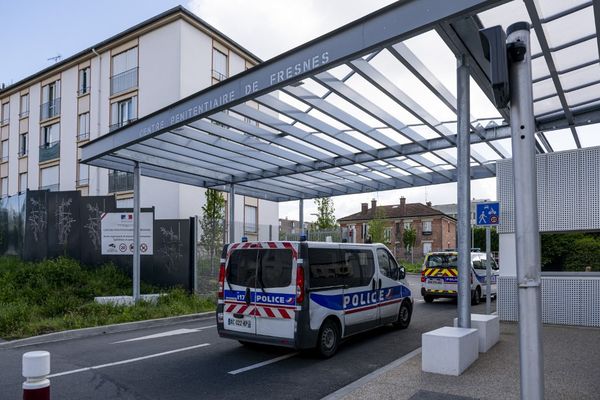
(190, 361)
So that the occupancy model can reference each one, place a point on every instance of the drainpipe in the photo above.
(99, 109)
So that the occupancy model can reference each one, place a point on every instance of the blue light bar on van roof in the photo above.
(244, 239)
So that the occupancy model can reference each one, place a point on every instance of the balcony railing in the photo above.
(83, 182)
(50, 151)
(218, 75)
(50, 109)
(83, 136)
(83, 90)
(120, 124)
(52, 188)
(24, 114)
(124, 81)
(3, 159)
(120, 182)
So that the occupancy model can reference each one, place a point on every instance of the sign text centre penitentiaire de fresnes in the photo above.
(231, 93)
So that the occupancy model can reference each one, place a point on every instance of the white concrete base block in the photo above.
(449, 351)
(488, 328)
(126, 300)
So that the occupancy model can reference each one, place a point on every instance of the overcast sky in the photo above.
(265, 27)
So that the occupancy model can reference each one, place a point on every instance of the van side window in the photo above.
(241, 269)
(275, 268)
(360, 266)
(387, 265)
(326, 267)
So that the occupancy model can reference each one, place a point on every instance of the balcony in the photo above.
(52, 188)
(50, 151)
(50, 109)
(124, 81)
(218, 75)
(120, 124)
(83, 136)
(120, 181)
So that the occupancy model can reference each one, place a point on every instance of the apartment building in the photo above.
(46, 118)
(434, 230)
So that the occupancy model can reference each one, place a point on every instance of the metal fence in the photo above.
(124, 81)
(50, 109)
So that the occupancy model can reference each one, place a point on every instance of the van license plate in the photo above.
(436, 281)
(244, 323)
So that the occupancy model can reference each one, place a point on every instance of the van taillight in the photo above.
(299, 284)
(221, 280)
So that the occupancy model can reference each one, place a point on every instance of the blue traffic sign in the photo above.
(487, 214)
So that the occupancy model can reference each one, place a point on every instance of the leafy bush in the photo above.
(54, 295)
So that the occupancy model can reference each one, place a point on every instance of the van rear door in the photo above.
(276, 290)
(240, 290)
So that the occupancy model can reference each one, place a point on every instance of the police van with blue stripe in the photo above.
(309, 294)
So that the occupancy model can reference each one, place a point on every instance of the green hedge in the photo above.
(54, 295)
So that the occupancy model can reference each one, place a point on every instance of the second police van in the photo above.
(309, 294)
(439, 276)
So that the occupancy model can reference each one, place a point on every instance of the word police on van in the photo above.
(309, 294)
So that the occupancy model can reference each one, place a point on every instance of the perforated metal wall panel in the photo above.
(568, 186)
(566, 300)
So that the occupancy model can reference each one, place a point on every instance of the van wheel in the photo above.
(428, 298)
(404, 315)
(329, 339)
(476, 296)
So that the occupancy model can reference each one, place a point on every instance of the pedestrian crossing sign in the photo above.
(487, 214)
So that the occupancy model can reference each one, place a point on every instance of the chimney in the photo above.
(428, 204)
(364, 207)
(402, 206)
(373, 204)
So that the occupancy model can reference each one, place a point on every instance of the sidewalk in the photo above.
(571, 368)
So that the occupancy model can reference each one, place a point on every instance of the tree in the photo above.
(377, 225)
(325, 217)
(409, 239)
(479, 236)
(212, 226)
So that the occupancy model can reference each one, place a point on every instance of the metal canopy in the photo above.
(369, 107)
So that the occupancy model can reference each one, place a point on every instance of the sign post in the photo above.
(488, 215)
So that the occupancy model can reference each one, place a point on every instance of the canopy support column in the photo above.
(231, 213)
(527, 233)
(464, 195)
(301, 217)
(136, 232)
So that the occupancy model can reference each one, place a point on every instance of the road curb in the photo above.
(105, 329)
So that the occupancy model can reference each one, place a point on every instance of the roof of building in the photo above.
(139, 27)
(395, 211)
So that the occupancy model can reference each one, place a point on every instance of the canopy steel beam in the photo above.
(379, 29)
(537, 26)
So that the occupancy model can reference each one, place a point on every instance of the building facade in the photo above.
(47, 117)
(434, 230)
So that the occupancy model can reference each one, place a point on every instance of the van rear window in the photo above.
(334, 267)
(442, 261)
(260, 268)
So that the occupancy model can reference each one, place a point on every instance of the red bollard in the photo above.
(36, 368)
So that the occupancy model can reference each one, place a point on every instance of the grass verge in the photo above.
(57, 295)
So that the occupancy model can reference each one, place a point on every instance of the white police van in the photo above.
(439, 276)
(309, 294)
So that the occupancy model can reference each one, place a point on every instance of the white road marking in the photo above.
(262, 364)
(166, 334)
(419, 301)
(131, 360)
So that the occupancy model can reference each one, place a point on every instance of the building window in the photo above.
(83, 129)
(4, 187)
(250, 219)
(83, 174)
(50, 107)
(49, 178)
(426, 247)
(4, 151)
(23, 144)
(50, 142)
(84, 81)
(219, 70)
(5, 117)
(24, 110)
(123, 112)
(119, 181)
(124, 71)
(407, 226)
(23, 182)
(387, 235)
(426, 227)
(365, 232)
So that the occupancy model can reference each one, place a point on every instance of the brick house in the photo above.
(435, 230)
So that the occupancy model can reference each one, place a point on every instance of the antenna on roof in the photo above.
(55, 58)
